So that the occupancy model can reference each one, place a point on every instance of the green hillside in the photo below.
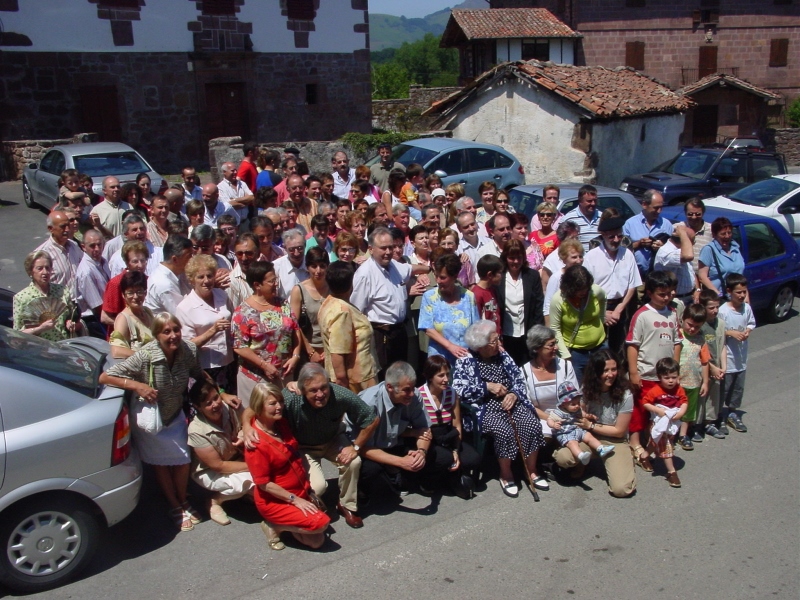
(388, 31)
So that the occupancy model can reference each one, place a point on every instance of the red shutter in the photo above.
(779, 52)
(707, 64)
(634, 55)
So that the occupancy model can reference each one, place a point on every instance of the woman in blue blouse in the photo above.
(447, 311)
(720, 257)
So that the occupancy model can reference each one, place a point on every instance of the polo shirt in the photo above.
(229, 192)
(247, 173)
(380, 293)
(395, 418)
(165, 291)
(91, 280)
(111, 215)
(380, 174)
(289, 275)
(615, 275)
(637, 228)
(588, 227)
(715, 258)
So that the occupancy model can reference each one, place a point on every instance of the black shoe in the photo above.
(686, 443)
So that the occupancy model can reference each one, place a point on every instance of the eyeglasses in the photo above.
(550, 346)
(494, 342)
(501, 201)
(295, 249)
(347, 250)
(132, 293)
(697, 214)
(546, 215)
(202, 247)
(248, 254)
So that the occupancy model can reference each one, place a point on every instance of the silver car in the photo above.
(67, 466)
(98, 160)
(526, 198)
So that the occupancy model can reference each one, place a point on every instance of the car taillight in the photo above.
(521, 170)
(121, 447)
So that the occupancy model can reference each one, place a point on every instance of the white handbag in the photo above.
(148, 416)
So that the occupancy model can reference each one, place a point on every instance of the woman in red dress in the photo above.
(283, 496)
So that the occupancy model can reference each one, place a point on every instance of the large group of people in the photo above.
(375, 319)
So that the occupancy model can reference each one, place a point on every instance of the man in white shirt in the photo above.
(291, 268)
(65, 254)
(91, 280)
(676, 256)
(191, 191)
(586, 215)
(467, 204)
(499, 230)
(343, 175)
(167, 286)
(133, 229)
(246, 252)
(234, 192)
(471, 243)
(614, 269)
(215, 207)
(107, 215)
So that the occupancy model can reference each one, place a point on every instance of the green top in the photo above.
(317, 426)
(564, 321)
(31, 293)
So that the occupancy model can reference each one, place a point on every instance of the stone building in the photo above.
(166, 77)
(566, 123)
(682, 41)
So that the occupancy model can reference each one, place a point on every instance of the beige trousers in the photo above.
(619, 466)
(348, 474)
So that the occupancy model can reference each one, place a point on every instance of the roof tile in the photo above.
(492, 23)
(723, 79)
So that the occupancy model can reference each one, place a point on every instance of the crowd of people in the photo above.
(375, 319)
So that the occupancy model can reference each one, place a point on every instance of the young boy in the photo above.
(654, 334)
(666, 402)
(713, 331)
(694, 371)
(490, 273)
(739, 320)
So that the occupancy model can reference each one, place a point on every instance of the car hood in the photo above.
(723, 202)
(656, 179)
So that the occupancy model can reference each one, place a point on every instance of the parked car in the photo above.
(706, 172)
(97, 159)
(771, 256)
(526, 198)
(6, 307)
(67, 467)
(461, 161)
(777, 197)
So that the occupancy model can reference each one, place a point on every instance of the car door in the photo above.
(729, 175)
(47, 177)
(453, 165)
(767, 263)
(788, 212)
(482, 165)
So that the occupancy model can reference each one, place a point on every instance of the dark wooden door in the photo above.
(704, 125)
(226, 110)
(707, 63)
(100, 112)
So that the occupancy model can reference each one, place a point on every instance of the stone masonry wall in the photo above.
(403, 114)
(17, 154)
(787, 142)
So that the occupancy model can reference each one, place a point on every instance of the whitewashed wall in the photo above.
(73, 26)
(621, 151)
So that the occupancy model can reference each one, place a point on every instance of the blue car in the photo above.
(771, 256)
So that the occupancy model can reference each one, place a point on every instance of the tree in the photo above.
(389, 80)
(428, 64)
(793, 113)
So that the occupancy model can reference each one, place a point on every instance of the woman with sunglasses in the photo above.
(132, 326)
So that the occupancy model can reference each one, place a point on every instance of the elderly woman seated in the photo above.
(490, 381)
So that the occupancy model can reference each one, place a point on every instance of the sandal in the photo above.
(273, 539)
(217, 514)
(181, 519)
(643, 459)
(191, 513)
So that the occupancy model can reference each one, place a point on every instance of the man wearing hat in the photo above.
(614, 269)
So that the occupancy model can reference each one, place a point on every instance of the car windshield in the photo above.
(110, 163)
(524, 202)
(764, 193)
(407, 154)
(54, 362)
(689, 164)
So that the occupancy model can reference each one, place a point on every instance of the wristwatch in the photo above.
(356, 447)
(292, 498)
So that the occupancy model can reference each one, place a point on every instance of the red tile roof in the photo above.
(722, 80)
(603, 93)
(486, 24)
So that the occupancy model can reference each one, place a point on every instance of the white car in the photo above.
(777, 197)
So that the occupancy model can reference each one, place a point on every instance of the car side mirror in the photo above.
(33, 166)
(713, 181)
(789, 210)
(440, 173)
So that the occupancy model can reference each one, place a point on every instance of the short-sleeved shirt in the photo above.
(606, 411)
(668, 258)
(395, 418)
(655, 332)
(220, 437)
(380, 174)
(116, 264)
(28, 294)
(714, 334)
(381, 293)
(615, 275)
(91, 280)
(165, 290)
(317, 426)
(198, 316)
(588, 227)
(637, 228)
(347, 331)
(737, 320)
(341, 187)
(289, 275)
(248, 174)
(716, 259)
(694, 355)
(65, 259)
(220, 208)
(450, 320)
(229, 192)
(239, 290)
(111, 215)
(702, 238)
(268, 333)
(669, 399)
(488, 305)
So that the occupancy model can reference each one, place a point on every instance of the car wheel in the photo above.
(781, 305)
(27, 194)
(45, 542)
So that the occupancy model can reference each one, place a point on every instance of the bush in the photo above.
(793, 113)
(361, 143)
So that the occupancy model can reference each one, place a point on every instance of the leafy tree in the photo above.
(427, 63)
(389, 80)
(793, 113)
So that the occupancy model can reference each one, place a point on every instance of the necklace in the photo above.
(254, 298)
(263, 428)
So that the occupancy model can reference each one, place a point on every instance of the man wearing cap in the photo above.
(643, 229)
(614, 269)
(381, 169)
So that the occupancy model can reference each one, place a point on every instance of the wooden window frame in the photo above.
(779, 52)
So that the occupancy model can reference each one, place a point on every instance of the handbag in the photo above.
(148, 416)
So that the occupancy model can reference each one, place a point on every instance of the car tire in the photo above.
(780, 307)
(45, 542)
(27, 194)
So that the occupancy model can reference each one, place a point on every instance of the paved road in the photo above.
(732, 531)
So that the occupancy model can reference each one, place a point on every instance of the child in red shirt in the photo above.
(490, 272)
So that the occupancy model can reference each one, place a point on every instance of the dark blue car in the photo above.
(771, 256)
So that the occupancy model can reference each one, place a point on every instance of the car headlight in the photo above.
(623, 187)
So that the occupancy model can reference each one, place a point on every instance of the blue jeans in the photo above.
(580, 359)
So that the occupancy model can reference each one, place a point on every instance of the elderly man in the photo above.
(614, 269)
(133, 229)
(158, 226)
(227, 225)
(167, 286)
(499, 230)
(107, 216)
(471, 242)
(586, 215)
(277, 216)
(676, 256)
(214, 207)
(289, 168)
(695, 210)
(379, 172)
(399, 451)
(65, 253)
(644, 228)
(176, 201)
(314, 410)
(465, 204)
(379, 291)
(264, 230)
(234, 192)
(191, 191)
(246, 252)
(306, 207)
(343, 175)
(291, 268)
(91, 280)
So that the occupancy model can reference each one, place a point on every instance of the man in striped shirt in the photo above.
(586, 215)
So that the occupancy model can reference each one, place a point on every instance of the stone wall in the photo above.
(787, 142)
(15, 155)
(404, 114)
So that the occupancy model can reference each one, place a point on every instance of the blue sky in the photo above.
(410, 8)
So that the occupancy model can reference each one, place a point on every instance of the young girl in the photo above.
(667, 403)
(444, 413)
(563, 420)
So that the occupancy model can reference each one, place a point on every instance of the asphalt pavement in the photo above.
(731, 531)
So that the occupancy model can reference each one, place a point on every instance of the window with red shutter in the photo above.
(634, 55)
(779, 52)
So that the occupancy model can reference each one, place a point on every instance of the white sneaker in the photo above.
(585, 457)
(604, 451)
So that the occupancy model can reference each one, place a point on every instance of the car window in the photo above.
(763, 193)
(762, 243)
(689, 164)
(451, 163)
(407, 154)
(48, 162)
(481, 159)
(524, 202)
(764, 167)
(503, 161)
(112, 163)
(731, 170)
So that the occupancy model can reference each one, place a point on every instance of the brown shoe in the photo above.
(351, 518)
(672, 479)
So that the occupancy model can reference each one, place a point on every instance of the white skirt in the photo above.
(231, 485)
(167, 448)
